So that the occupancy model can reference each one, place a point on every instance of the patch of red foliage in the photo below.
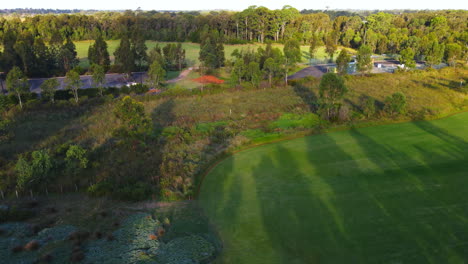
(153, 91)
(208, 79)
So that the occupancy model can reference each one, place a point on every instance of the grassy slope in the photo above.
(91, 125)
(385, 194)
(192, 50)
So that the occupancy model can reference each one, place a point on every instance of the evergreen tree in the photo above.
(342, 62)
(24, 48)
(9, 57)
(238, 71)
(124, 56)
(254, 73)
(67, 56)
(17, 83)
(48, 88)
(139, 50)
(314, 44)
(212, 50)
(270, 68)
(407, 58)
(73, 83)
(99, 77)
(434, 53)
(98, 54)
(44, 59)
(292, 55)
(364, 59)
(332, 90)
(156, 74)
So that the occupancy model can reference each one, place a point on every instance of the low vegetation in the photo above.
(168, 139)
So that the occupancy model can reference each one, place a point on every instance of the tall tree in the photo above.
(314, 44)
(238, 71)
(139, 49)
(453, 51)
(98, 53)
(73, 83)
(212, 50)
(24, 48)
(270, 68)
(434, 53)
(99, 77)
(332, 91)
(364, 59)
(292, 55)
(156, 74)
(342, 62)
(17, 83)
(125, 56)
(253, 73)
(407, 58)
(330, 46)
(48, 88)
(9, 56)
(67, 56)
(44, 59)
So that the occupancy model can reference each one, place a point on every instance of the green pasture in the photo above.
(385, 194)
(191, 49)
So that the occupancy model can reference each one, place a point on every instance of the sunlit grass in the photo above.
(386, 194)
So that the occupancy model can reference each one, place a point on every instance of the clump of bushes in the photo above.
(395, 104)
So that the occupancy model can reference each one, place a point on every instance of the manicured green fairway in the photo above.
(386, 194)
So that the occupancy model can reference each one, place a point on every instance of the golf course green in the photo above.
(386, 194)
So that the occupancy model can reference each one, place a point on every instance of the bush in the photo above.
(367, 105)
(100, 189)
(395, 104)
(134, 192)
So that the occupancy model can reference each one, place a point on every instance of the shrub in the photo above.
(134, 122)
(367, 105)
(395, 104)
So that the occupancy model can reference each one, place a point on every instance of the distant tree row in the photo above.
(384, 32)
(42, 45)
(34, 56)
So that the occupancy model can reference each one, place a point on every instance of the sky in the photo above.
(235, 4)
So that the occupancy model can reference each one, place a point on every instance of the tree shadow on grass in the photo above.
(130, 166)
(376, 204)
(416, 198)
(309, 98)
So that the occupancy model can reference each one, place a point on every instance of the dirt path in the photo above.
(181, 76)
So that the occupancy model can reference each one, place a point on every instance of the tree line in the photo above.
(42, 45)
(252, 24)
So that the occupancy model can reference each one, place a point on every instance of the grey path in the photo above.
(112, 80)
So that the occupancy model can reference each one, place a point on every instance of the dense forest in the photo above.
(48, 39)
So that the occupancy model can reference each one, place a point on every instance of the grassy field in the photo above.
(191, 49)
(385, 194)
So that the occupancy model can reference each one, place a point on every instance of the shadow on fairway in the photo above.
(390, 208)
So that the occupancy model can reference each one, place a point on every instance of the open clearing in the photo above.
(385, 194)
(192, 50)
